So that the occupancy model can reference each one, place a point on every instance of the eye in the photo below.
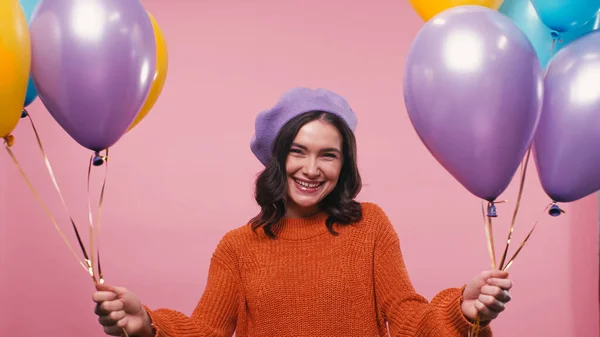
(330, 155)
(294, 150)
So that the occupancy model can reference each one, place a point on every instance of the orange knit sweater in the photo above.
(310, 283)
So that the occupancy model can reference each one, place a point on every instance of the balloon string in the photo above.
(41, 202)
(524, 165)
(58, 190)
(489, 233)
(514, 256)
(475, 329)
(100, 206)
(9, 141)
(554, 40)
(91, 222)
(96, 228)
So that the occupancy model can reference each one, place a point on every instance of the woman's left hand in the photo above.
(486, 294)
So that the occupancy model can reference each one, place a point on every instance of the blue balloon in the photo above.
(545, 41)
(29, 7)
(565, 15)
(31, 93)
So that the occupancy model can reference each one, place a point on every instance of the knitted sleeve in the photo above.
(408, 313)
(215, 314)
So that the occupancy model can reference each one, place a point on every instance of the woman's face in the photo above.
(313, 167)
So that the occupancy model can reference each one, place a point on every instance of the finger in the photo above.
(100, 311)
(107, 307)
(493, 273)
(491, 303)
(112, 318)
(123, 322)
(497, 292)
(113, 330)
(113, 289)
(117, 315)
(129, 299)
(499, 274)
(484, 312)
(102, 296)
(111, 306)
(503, 283)
(106, 321)
(103, 287)
(120, 291)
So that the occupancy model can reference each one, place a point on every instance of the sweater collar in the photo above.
(302, 228)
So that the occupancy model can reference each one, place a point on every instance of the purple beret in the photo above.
(292, 103)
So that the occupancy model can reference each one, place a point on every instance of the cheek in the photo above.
(332, 170)
(291, 165)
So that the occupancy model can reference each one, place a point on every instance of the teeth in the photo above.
(309, 185)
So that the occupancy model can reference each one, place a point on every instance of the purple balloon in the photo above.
(473, 89)
(92, 64)
(567, 142)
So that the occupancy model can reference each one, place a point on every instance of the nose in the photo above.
(311, 168)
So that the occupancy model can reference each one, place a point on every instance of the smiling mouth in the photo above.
(308, 186)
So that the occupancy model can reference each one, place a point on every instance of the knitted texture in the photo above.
(309, 283)
(292, 103)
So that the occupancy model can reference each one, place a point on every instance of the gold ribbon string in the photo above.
(9, 140)
(523, 170)
(58, 190)
(95, 230)
(91, 217)
(100, 207)
(476, 328)
(489, 233)
(91, 221)
(524, 165)
(553, 48)
(41, 202)
(514, 256)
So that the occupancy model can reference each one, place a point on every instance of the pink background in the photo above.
(184, 177)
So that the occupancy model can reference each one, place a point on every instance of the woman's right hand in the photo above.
(118, 308)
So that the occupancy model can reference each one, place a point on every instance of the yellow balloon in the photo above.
(429, 8)
(15, 64)
(160, 74)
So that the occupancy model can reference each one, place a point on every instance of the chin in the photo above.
(304, 203)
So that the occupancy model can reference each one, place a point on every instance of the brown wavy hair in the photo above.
(271, 184)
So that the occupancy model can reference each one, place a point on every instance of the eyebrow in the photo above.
(329, 149)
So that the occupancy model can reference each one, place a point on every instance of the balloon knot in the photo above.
(491, 211)
(555, 210)
(99, 160)
(9, 140)
(24, 113)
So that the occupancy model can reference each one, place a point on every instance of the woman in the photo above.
(314, 262)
